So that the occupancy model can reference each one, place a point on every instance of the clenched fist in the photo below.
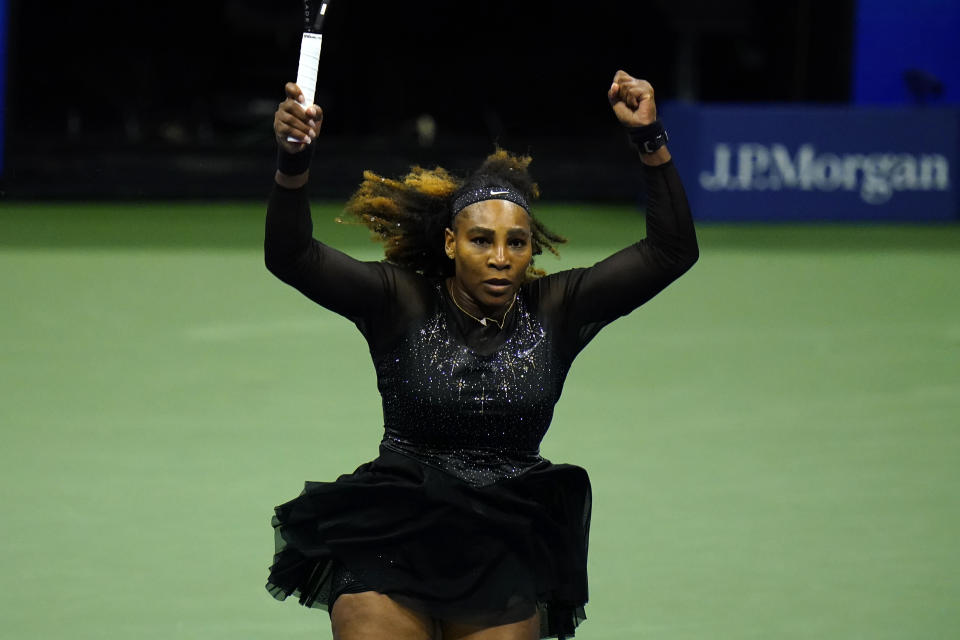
(632, 100)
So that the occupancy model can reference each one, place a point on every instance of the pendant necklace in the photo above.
(483, 321)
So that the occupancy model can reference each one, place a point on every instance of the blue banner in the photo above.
(817, 163)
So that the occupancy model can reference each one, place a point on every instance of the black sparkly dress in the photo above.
(459, 516)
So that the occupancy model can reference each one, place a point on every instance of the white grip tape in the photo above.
(307, 71)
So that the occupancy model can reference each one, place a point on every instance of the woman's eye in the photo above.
(481, 241)
(518, 244)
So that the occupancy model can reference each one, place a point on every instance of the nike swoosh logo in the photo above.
(498, 193)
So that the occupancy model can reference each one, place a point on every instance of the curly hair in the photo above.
(409, 215)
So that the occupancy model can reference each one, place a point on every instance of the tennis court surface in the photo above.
(774, 441)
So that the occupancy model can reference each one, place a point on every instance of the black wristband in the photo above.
(648, 138)
(293, 164)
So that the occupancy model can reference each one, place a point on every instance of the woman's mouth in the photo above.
(497, 286)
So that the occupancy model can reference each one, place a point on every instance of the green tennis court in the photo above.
(774, 441)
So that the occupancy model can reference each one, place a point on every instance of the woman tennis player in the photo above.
(459, 528)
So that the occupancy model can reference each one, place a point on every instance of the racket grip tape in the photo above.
(307, 71)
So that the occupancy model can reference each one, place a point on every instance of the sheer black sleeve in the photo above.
(579, 302)
(364, 292)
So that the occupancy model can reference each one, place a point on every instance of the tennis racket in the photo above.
(314, 12)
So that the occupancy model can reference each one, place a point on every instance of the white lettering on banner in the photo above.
(877, 176)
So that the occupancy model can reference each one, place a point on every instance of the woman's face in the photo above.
(491, 247)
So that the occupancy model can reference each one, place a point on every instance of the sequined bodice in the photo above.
(479, 417)
(478, 408)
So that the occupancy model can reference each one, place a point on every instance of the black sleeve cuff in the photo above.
(293, 164)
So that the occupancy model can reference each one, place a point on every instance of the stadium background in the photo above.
(774, 441)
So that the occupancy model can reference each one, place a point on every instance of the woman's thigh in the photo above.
(528, 629)
(374, 616)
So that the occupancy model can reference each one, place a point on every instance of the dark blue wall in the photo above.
(3, 75)
(895, 35)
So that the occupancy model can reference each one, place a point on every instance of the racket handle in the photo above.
(307, 71)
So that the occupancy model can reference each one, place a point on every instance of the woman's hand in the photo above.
(296, 120)
(632, 100)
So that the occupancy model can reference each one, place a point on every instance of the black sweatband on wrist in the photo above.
(648, 138)
(293, 164)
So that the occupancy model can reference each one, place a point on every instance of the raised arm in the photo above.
(587, 299)
(671, 241)
(354, 289)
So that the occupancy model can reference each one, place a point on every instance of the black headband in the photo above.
(488, 193)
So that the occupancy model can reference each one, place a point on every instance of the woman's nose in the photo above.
(498, 257)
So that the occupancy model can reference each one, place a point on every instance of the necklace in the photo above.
(483, 321)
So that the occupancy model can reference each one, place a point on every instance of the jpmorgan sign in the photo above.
(817, 163)
(876, 176)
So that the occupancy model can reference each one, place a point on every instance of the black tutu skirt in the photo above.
(487, 555)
